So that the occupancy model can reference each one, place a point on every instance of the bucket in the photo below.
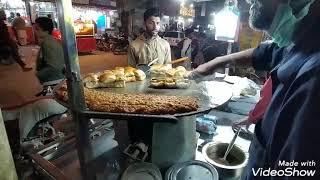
(237, 159)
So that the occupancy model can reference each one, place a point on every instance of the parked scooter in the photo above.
(121, 45)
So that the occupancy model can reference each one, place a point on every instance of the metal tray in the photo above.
(210, 94)
(192, 170)
(142, 171)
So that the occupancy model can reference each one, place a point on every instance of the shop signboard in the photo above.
(84, 28)
(249, 38)
(80, 1)
(186, 11)
(103, 2)
(101, 22)
(113, 3)
(226, 22)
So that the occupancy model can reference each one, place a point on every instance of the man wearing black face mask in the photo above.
(149, 46)
(286, 138)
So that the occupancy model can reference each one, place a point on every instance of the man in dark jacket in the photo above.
(286, 143)
(50, 62)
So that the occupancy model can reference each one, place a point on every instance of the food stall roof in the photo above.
(97, 3)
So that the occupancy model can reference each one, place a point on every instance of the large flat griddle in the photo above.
(210, 94)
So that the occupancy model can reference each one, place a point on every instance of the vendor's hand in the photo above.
(208, 68)
(202, 70)
(194, 75)
(200, 73)
(243, 122)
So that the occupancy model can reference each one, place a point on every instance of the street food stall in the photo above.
(85, 31)
(154, 120)
(91, 21)
(14, 7)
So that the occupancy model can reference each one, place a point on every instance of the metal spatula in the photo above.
(230, 146)
(146, 67)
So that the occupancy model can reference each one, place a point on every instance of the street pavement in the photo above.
(17, 86)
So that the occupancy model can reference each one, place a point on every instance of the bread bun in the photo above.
(129, 73)
(130, 79)
(171, 72)
(107, 71)
(160, 68)
(106, 85)
(170, 84)
(120, 77)
(119, 69)
(179, 74)
(158, 75)
(129, 68)
(169, 80)
(90, 77)
(118, 72)
(91, 81)
(157, 83)
(107, 78)
(181, 68)
(92, 84)
(166, 67)
(140, 75)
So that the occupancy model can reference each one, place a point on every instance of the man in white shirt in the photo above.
(149, 45)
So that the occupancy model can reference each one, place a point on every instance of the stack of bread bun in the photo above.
(164, 76)
(159, 70)
(116, 78)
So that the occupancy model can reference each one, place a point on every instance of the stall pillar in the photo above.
(7, 169)
(75, 87)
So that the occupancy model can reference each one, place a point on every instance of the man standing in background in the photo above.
(19, 27)
(55, 24)
(149, 46)
(11, 17)
(185, 46)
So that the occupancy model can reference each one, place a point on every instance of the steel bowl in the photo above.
(237, 159)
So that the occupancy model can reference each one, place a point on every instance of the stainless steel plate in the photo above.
(142, 171)
(192, 170)
(210, 94)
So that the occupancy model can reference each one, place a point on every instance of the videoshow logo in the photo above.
(290, 170)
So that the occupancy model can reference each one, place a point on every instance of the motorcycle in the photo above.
(120, 46)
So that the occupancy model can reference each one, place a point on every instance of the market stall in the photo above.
(161, 112)
(29, 31)
(85, 31)
(91, 22)
(187, 14)
(44, 9)
(13, 7)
